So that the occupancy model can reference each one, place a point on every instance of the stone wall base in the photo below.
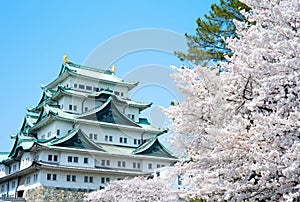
(50, 194)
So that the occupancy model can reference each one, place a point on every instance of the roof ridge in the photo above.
(87, 68)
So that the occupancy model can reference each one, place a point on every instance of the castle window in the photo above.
(110, 138)
(117, 93)
(86, 160)
(122, 94)
(70, 107)
(88, 87)
(58, 132)
(35, 177)
(150, 166)
(138, 165)
(125, 140)
(103, 163)
(89, 179)
(28, 179)
(134, 165)
(106, 138)
(71, 178)
(108, 162)
(95, 136)
(75, 159)
(13, 184)
(2, 188)
(51, 175)
(123, 164)
(81, 86)
(121, 140)
(91, 135)
(75, 85)
(86, 108)
(49, 157)
(75, 108)
(49, 133)
(96, 89)
(135, 141)
(70, 158)
(55, 157)
(119, 163)
(102, 180)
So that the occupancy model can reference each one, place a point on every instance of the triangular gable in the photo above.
(75, 139)
(153, 148)
(108, 113)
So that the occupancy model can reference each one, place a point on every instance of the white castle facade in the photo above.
(84, 133)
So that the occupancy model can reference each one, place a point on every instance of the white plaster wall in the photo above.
(3, 170)
(134, 111)
(17, 167)
(26, 160)
(64, 160)
(63, 126)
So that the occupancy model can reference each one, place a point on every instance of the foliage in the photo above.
(138, 189)
(209, 42)
(240, 131)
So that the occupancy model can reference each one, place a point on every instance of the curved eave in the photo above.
(141, 106)
(56, 81)
(61, 92)
(92, 170)
(19, 147)
(32, 168)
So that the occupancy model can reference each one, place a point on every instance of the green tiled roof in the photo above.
(153, 147)
(112, 149)
(22, 141)
(89, 72)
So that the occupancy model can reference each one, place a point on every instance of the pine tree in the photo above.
(209, 42)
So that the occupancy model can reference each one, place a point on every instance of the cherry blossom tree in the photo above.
(239, 131)
(138, 189)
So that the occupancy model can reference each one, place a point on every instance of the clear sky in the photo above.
(36, 34)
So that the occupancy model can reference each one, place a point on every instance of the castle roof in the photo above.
(104, 76)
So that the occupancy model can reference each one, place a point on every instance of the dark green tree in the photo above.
(208, 44)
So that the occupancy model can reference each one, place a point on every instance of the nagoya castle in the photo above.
(84, 133)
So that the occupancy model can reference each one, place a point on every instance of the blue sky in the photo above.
(36, 34)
